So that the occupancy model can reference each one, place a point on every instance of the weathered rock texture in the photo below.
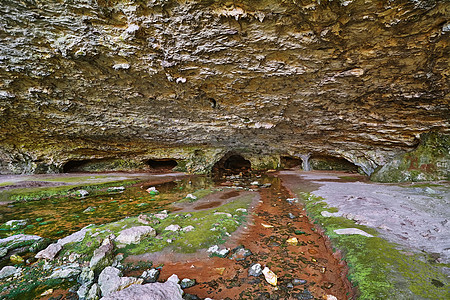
(121, 82)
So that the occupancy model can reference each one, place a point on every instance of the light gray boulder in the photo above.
(134, 235)
(168, 290)
(110, 281)
(50, 252)
(103, 256)
(8, 271)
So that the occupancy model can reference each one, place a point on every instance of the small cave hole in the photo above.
(231, 164)
(288, 162)
(162, 164)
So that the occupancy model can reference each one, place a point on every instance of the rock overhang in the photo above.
(138, 79)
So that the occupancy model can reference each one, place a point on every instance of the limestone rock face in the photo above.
(121, 82)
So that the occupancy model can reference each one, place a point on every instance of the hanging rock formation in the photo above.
(120, 82)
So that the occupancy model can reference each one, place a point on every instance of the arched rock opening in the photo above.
(162, 164)
(230, 164)
(288, 162)
(328, 162)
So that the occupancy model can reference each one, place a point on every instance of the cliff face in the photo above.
(193, 80)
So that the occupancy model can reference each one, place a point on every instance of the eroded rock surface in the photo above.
(115, 83)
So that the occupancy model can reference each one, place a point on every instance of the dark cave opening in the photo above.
(162, 164)
(231, 164)
(77, 165)
(328, 162)
(288, 162)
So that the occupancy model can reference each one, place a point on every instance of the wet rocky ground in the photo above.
(218, 235)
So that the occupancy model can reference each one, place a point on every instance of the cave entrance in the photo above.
(326, 162)
(291, 162)
(165, 164)
(73, 166)
(232, 164)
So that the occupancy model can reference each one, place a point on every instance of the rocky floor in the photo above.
(292, 225)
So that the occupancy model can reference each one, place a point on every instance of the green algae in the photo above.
(33, 283)
(379, 269)
(429, 161)
(31, 194)
(212, 226)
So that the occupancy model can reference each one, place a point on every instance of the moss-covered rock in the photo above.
(429, 161)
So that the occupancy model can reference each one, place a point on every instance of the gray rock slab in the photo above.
(50, 252)
(8, 271)
(150, 291)
(134, 235)
(352, 231)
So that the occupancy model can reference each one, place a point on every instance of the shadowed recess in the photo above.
(162, 164)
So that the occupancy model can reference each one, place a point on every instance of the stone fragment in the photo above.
(144, 219)
(187, 283)
(162, 215)
(188, 228)
(135, 234)
(86, 276)
(327, 214)
(14, 224)
(292, 241)
(330, 297)
(94, 292)
(82, 291)
(150, 291)
(173, 227)
(291, 216)
(8, 271)
(89, 209)
(116, 189)
(50, 252)
(3, 252)
(215, 251)
(223, 213)
(82, 193)
(352, 231)
(297, 281)
(240, 253)
(65, 272)
(74, 237)
(110, 281)
(150, 276)
(47, 292)
(255, 270)
(16, 259)
(103, 256)
(270, 276)
(173, 278)
(190, 196)
(220, 271)
(152, 191)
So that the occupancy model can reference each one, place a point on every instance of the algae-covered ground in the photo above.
(55, 217)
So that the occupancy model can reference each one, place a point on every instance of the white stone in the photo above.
(150, 291)
(73, 238)
(352, 231)
(134, 235)
(173, 227)
(188, 228)
(65, 273)
(50, 252)
(8, 271)
(18, 238)
(123, 66)
(190, 196)
(173, 278)
(223, 213)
